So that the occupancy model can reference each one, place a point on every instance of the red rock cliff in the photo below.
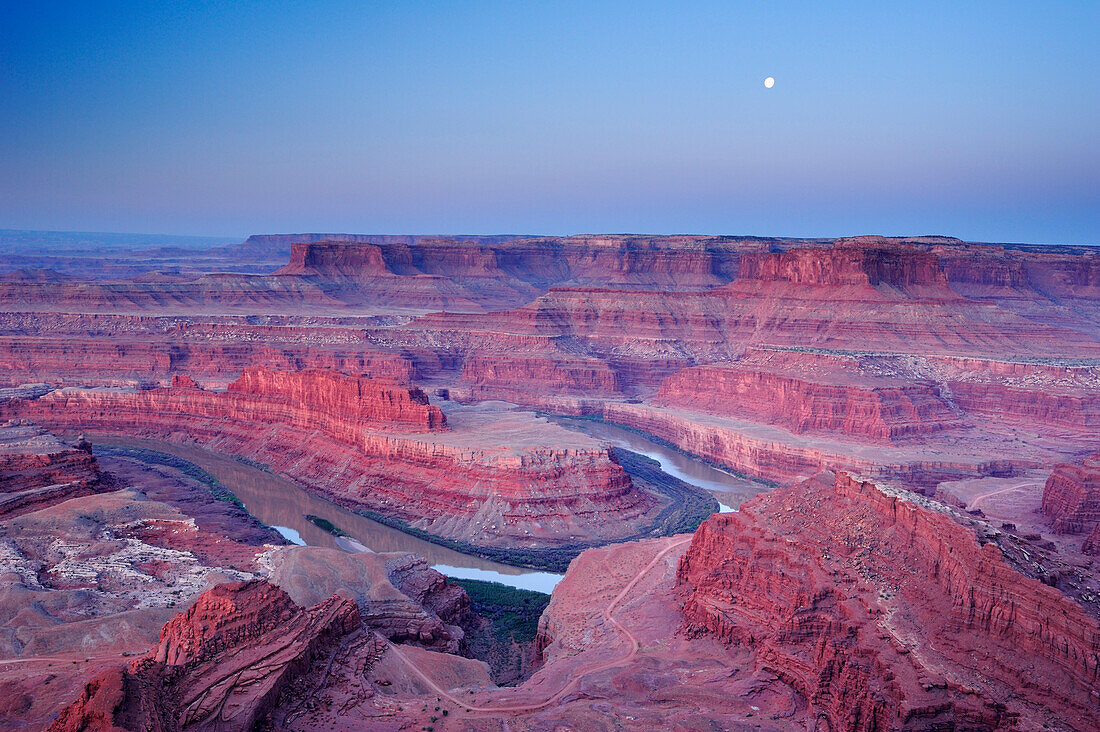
(1091, 545)
(997, 272)
(38, 470)
(335, 259)
(868, 264)
(1071, 496)
(806, 392)
(329, 395)
(222, 664)
(889, 612)
(1063, 395)
(506, 375)
(492, 483)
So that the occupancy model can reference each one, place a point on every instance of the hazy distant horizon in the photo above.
(974, 119)
(204, 240)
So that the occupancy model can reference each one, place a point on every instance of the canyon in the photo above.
(917, 417)
(944, 631)
(371, 445)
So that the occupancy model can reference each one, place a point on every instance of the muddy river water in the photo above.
(730, 490)
(284, 505)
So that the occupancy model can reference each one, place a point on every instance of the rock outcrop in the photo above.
(889, 612)
(222, 664)
(330, 401)
(779, 456)
(880, 298)
(878, 295)
(807, 392)
(1071, 496)
(93, 349)
(503, 479)
(281, 246)
(691, 261)
(38, 470)
(1091, 545)
(1062, 394)
(399, 596)
(1021, 272)
(833, 603)
(333, 400)
(865, 263)
(498, 376)
(1042, 407)
(478, 273)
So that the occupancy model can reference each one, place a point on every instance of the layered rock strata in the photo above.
(1062, 274)
(313, 399)
(1091, 545)
(190, 681)
(107, 360)
(399, 596)
(1062, 394)
(38, 470)
(860, 263)
(889, 612)
(804, 392)
(333, 401)
(375, 445)
(527, 263)
(877, 298)
(1071, 496)
(496, 376)
(779, 456)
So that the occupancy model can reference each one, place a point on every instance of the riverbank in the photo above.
(687, 507)
(688, 484)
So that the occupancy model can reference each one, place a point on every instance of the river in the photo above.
(728, 489)
(284, 505)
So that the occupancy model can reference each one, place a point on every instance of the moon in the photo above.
(769, 83)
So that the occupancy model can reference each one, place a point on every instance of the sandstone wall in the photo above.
(496, 375)
(366, 444)
(790, 395)
(1034, 406)
(1071, 496)
(807, 578)
(38, 470)
(870, 265)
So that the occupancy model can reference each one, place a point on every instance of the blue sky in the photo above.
(978, 119)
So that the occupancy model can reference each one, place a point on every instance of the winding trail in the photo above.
(62, 659)
(578, 673)
(978, 499)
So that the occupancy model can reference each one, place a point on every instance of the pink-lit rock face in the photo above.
(88, 349)
(1071, 497)
(694, 261)
(38, 470)
(889, 611)
(223, 663)
(538, 375)
(320, 396)
(807, 392)
(832, 601)
(1091, 546)
(335, 259)
(376, 444)
(857, 264)
(996, 272)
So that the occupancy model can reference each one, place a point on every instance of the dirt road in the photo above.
(579, 673)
